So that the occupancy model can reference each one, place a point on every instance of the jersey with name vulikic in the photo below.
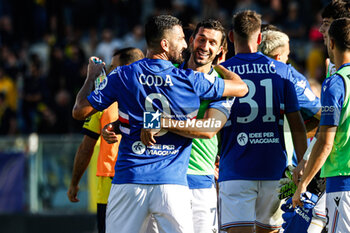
(147, 86)
(252, 139)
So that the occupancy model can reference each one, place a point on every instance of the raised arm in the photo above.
(234, 85)
(82, 108)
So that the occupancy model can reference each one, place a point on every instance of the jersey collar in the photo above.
(345, 64)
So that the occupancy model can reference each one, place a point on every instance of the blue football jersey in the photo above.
(252, 139)
(147, 86)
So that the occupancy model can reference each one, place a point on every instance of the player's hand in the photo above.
(299, 171)
(147, 136)
(95, 67)
(298, 219)
(72, 193)
(296, 199)
(108, 133)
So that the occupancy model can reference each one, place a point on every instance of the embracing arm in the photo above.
(191, 131)
(234, 85)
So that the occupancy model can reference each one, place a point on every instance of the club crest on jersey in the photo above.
(101, 86)
(242, 139)
(138, 147)
(151, 120)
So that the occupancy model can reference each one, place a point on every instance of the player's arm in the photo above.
(191, 131)
(234, 85)
(81, 162)
(82, 107)
(298, 132)
(312, 126)
(319, 154)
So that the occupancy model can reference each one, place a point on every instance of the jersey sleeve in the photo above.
(291, 100)
(224, 105)
(106, 93)
(92, 126)
(207, 86)
(332, 99)
(309, 103)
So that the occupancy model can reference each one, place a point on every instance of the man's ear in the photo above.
(191, 40)
(331, 43)
(259, 38)
(219, 51)
(231, 36)
(277, 57)
(164, 43)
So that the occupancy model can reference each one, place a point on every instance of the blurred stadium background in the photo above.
(44, 51)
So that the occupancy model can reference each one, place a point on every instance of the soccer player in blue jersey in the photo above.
(206, 45)
(253, 156)
(331, 150)
(275, 44)
(152, 180)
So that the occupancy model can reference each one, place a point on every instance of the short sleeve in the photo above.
(207, 86)
(291, 100)
(332, 99)
(224, 105)
(92, 126)
(106, 93)
(309, 103)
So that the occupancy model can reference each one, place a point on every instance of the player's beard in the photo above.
(176, 57)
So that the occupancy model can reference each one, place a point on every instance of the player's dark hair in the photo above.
(129, 55)
(246, 23)
(339, 31)
(211, 24)
(156, 27)
(337, 9)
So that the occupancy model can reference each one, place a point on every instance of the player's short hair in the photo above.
(269, 27)
(156, 27)
(339, 31)
(337, 9)
(246, 23)
(211, 24)
(271, 41)
(129, 55)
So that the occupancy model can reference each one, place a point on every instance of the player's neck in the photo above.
(245, 48)
(341, 58)
(191, 64)
(154, 55)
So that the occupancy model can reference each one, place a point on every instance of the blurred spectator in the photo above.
(7, 36)
(8, 89)
(135, 39)
(315, 64)
(34, 96)
(8, 123)
(292, 24)
(107, 46)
